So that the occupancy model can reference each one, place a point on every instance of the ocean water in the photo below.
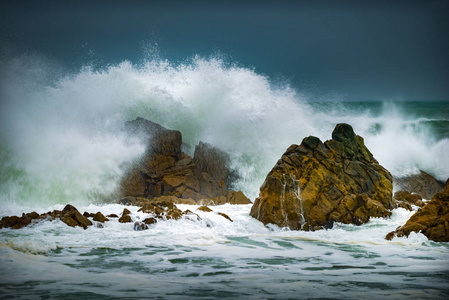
(62, 141)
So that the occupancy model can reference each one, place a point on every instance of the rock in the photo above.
(191, 216)
(432, 220)
(316, 184)
(69, 215)
(72, 217)
(224, 216)
(404, 205)
(140, 226)
(159, 139)
(423, 184)
(99, 217)
(215, 162)
(408, 198)
(204, 208)
(150, 221)
(173, 214)
(237, 198)
(125, 218)
(112, 216)
(16, 222)
(166, 171)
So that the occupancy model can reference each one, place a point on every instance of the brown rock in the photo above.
(423, 184)
(403, 196)
(191, 215)
(160, 140)
(224, 216)
(99, 217)
(150, 221)
(140, 226)
(237, 198)
(204, 208)
(112, 216)
(125, 212)
(215, 162)
(166, 171)
(72, 217)
(315, 184)
(125, 219)
(432, 220)
(173, 214)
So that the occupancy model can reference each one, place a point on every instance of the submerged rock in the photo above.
(316, 184)
(432, 220)
(204, 208)
(166, 171)
(422, 184)
(224, 216)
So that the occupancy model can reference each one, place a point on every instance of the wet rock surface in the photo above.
(432, 220)
(167, 171)
(316, 184)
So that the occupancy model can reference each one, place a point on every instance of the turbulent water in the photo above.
(62, 141)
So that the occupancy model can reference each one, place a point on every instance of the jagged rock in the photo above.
(99, 217)
(160, 140)
(166, 171)
(16, 222)
(88, 215)
(316, 184)
(150, 221)
(69, 215)
(140, 226)
(432, 220)
(125, 218)
(215, 162)
(72, 217)
(423, 184)
(237, 198)
(204, 208)
(403, 198)
(192, 216)
(224, 216)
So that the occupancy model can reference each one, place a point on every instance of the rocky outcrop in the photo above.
(316, 184)
(432, 220)
(422, 184)
(166, 171)
(69, 215)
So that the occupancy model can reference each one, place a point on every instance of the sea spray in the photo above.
(62, 138)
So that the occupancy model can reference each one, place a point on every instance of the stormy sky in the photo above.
(351, 50)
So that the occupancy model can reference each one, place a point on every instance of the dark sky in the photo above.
(362, 50)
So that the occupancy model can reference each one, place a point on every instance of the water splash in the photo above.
(62, 141)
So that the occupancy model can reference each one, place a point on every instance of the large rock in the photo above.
(166, 171)
(432, 220)
(316, 184)
(215, 162)
(423, 184)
